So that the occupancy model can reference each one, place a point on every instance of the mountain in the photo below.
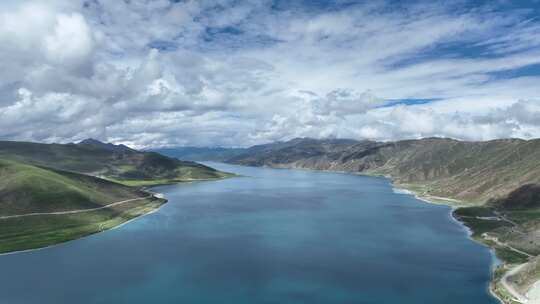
(298, 152)
(58, 206)
(200, 153)
(471, 172)
(112, 162)
(90, 142)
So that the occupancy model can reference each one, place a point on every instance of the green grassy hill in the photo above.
(27, 189)
(124, 165)
(52, 193)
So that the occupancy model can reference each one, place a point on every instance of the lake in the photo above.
(270, 236)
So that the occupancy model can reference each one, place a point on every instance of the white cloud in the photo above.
(229, 73)
(71, 42)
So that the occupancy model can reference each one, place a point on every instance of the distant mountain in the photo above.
(90, 142)
(280, 154)
(116, 163)
(436, 167)
(200, 153)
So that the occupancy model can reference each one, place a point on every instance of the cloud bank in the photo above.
(237, 73)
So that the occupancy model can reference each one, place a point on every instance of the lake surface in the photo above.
(272, 236)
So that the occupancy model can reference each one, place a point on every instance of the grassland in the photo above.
(40, 231)
(127, 166)
(26, 189)
(53, 193)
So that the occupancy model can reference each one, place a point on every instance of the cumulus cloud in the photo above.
(163, 73)
(70, 43)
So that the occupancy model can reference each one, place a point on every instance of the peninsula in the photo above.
(52, 193)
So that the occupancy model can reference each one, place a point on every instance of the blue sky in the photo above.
(235, 73)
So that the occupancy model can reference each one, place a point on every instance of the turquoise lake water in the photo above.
(271, 236)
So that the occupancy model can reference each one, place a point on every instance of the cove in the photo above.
(269, 236)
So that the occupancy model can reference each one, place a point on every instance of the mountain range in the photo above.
(469, 173)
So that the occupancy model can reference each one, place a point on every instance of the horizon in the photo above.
(237, 74)
(149, 148)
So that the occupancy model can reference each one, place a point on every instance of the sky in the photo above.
(156, 73)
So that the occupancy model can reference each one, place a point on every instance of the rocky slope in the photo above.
(472, 172)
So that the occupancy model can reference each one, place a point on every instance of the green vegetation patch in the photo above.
(43, 179)
(475, 212)
(523, 216)
(157, 182)
(510, 256)
(30, 189)
(479, 226)
(40, 231)
(120, 164)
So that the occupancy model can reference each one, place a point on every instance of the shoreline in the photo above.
(83, 237)
(468, 232)
(146, 189)
(161, 196)
(153, 210)
(453, 204)
(523, 298)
